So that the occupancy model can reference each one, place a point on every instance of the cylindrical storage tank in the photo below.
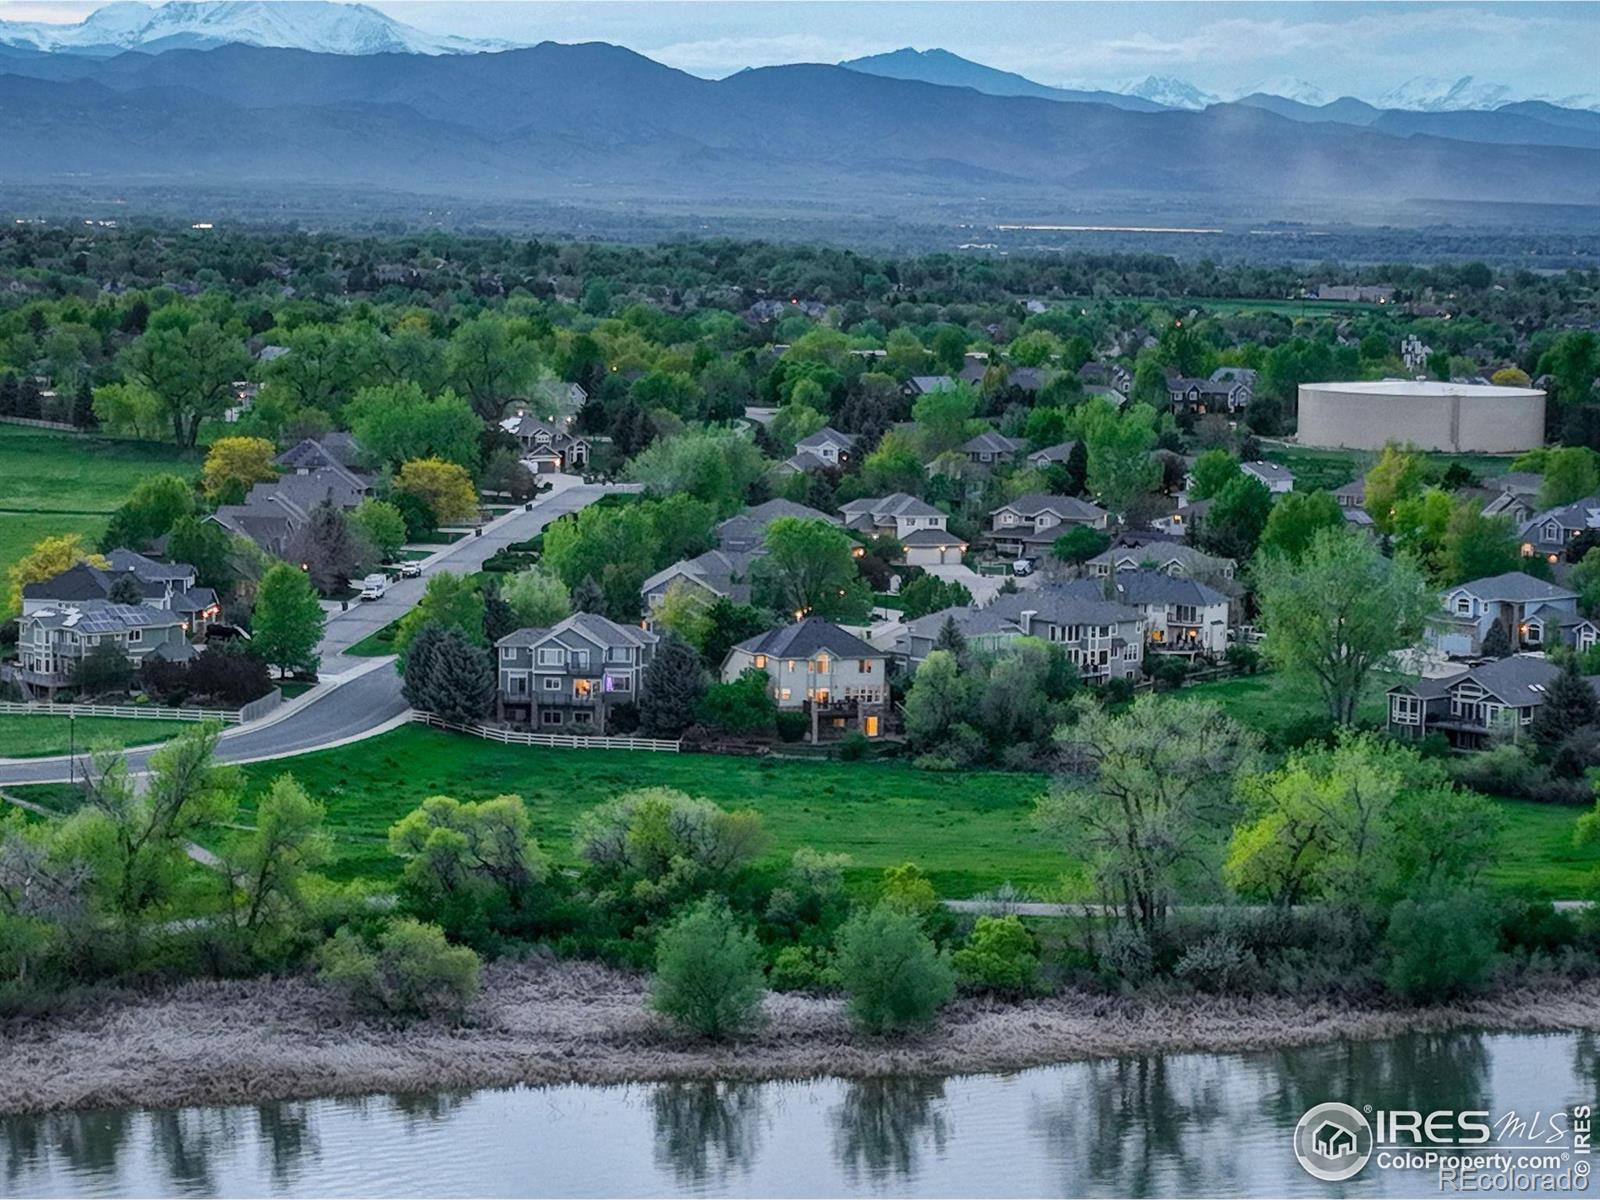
(1461, 417)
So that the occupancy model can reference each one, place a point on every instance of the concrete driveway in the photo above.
(984, 588)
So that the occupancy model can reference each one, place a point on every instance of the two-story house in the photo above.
(52, 640)
(275, 510)
(1181, 615)
(825, 450)
(1201, 396)
(1533, 615)
(716, 575)
(990, 449)
(568, 678)
(169, 587)
(1241, 378)
(815, 667)
(898, 515)
(745, 532)
(1547, 533)
(1103, 639)
(1514, 494)
(547, 448)
(1029, 525)
(1111, 375)
(982, 629)
(1170, 558)
(1474, 708)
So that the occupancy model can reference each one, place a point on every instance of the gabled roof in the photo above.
(1060, 452)
(932, 383)
(724, 572)
(973, 622)
(1157, 587)
(826, 436)
(1580, 514)
(1065, 507)
(1077, 603)
(1356, 490)
(1161, 553)
(580, 628)
(806, 638)
(149, 569)
(931, 537)
(101, 616)
(751, 524)
(1029, 379)
(1514, 587)
(990, 442)
(336, 449)
(1516, 483)
(897, 504)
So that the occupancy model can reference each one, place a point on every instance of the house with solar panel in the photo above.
(54, 638)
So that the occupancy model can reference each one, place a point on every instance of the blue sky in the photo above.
(1362, 49)
(1342, 47)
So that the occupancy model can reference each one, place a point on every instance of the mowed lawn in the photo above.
(53, 483)
(1272, 706)
(970, 831)
(31, 737)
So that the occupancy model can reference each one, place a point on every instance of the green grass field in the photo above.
(31, 737)
(53, 483)
(376, 644)
(1329, 469)
(1272, 706)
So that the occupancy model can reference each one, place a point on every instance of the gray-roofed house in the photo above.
(168, 587)
(54, 638)
(716, 575)
(989, 449)
(1534, 614)
(1111, 375)
(1029, 524)
(1052, 455)
(815, 667)
(1103, 639)
(1181, 615)
(1477, 708)
(922, 385)
(1170, 558)
(549, 449)
(746, 531)
(825, 450)
(333, 449)
(897, 515)
(1030, 379)
(274, 511)
(1279, 480)
(1206, 396)
(1352, 494)
(985, 630)
(1547, 533)
(1514, 495)
(570, 677)
(1244, 377)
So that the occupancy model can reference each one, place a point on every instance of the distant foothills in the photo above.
(256, 97)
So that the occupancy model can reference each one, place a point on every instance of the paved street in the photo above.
(361, 695)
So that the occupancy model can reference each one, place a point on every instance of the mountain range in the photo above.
(599, 123)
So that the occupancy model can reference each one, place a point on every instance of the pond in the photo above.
(1193, 1124)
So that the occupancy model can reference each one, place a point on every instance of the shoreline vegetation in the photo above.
(547, 1022)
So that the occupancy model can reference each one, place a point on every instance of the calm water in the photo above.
(1176, 1125)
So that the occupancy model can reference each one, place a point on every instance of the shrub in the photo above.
(907, 888)
(802, 969)
(1536, 926)
(1219, 963)
(999, 954)
(1117, 691)
(708, 973)
(1128, 955)
(895, 976)
(792, 726)
(853, 747)
(1242, 658)
(413, 972)
(1438, 946)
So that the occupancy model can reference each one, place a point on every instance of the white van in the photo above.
(1023, 566)
(374, 586)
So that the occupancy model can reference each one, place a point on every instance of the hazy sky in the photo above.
(1360, 48)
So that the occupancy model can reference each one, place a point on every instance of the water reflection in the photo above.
(86, 1143)
(290, 1137)
(883, 1126)
(705, 1130)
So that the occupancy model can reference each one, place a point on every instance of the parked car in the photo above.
(408, 570)
(1023, 566)
(374, 586)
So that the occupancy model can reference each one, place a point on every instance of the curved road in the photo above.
(364, 697)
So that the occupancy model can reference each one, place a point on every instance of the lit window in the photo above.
(822, 663)
(761, 661)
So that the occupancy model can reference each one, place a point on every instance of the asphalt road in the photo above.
(365, 695)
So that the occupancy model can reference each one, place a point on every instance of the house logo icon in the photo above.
(1333, 1141)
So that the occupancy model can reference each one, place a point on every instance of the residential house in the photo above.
(1547, 533)
(1030, 524)
(1514, 495)
(1351, 495)
(989, 449)
(274, 511)
(1177, 559)
(53, 639)
(985, 632)
(559, 397)
(817, 668)
(1102, 638)
(1052, 455)
(898, 515)
(1200, 396)
(1181, 520)
(1112, 375)
(825, 450)
(1364, 293)
(922, 385)
(1181, 615)
(1244, 377)
(167, 587)
(571, 677)
(1279, 480)
(745, 532)
(332, 451)
(1475, 708)
(546, 447)
(716, 575)
(1533, 613)
(1030, 379)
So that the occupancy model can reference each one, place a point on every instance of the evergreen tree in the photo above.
(83, 415)
(498, 617)
(670, 689)
(416, 660)
(458, 682)
(1569, 705)
(951, 638)
(29, 402)
(1077, 466)
(9, 389)
(1496, 644)
(326, 548)
(125, 589)
(588, 597)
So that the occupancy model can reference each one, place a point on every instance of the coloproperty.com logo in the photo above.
(1467, 1151)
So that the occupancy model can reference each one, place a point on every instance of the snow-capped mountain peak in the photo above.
(1298, 90)
(1169, 90)
(317, 25)
(1423, 93)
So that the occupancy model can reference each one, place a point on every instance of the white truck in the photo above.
(374, 586)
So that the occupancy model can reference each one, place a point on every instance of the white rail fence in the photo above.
(516, 737)
(138, 712)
